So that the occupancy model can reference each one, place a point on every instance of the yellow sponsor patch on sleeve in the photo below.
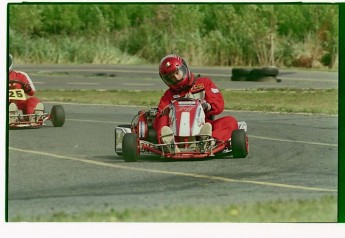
(198, 87)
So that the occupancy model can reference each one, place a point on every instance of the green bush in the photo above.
(302, 35)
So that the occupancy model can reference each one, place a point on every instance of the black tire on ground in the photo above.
(238, 78)
(240, 74)
(57, 116)
(270, 71)
(265, 74)
(130, 147)
(264, 79)
(239, 143)
(266, 71)
(124, 125)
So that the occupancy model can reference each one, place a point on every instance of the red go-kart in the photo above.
(20, 120)
(186, 119)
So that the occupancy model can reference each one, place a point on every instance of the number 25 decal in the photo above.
(16, 94)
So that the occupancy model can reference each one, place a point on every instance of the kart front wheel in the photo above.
(239, 143)
(119, 138)
(57, 116)
(130, 147)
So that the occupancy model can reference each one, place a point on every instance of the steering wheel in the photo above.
(12, 82)
(16, 81)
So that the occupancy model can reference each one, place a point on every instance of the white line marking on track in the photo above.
(311, 79)
(202, 176)
(138, 84)
(250, 136)
(293, 141)
(83, 83)
(94, 121)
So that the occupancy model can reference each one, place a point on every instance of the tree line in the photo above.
(212, 34)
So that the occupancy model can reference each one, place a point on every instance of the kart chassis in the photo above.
(21, 120)
(132, 139)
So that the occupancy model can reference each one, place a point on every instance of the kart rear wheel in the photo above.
(239, 143)
(57, 116)
(130, 147)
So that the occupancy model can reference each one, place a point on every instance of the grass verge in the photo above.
(323, 209)
(323, 101)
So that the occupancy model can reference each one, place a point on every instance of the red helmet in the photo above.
(175, 73)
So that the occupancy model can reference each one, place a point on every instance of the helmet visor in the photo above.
(176, 76)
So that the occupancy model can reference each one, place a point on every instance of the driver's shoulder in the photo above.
(204, 80)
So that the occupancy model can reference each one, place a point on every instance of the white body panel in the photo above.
(187, 125)
(184, 129)
(242, 125)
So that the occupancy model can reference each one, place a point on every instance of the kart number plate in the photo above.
(16, 94)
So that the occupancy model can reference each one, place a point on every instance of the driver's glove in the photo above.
(26, 87)
(12, 86)
(205, 105)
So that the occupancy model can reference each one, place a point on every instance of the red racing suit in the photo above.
(202, 88)
(27, 106)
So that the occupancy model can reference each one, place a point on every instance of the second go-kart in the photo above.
(186, 119)
(19, 120)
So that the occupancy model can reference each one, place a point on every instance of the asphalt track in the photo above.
(146, 77)
(74, 168)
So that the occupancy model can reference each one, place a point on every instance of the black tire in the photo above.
(258, 78)
(57, 116)
(240, 74)
(239, 143)
(238, 78)
(270, 71)
(130, 147)
(124, 125)
(264, 72)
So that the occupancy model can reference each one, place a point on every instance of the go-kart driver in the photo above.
(31, 105)
(175, 73)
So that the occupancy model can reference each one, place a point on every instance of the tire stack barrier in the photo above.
(265, 74)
